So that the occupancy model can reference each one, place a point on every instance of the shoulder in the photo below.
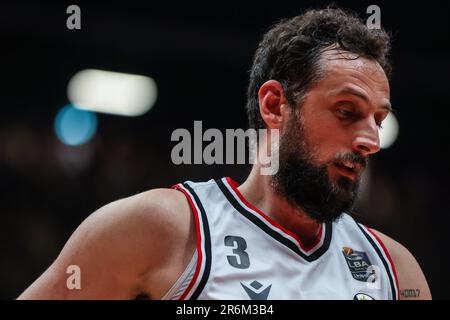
(127, 247)
(158, 216)
(168, 207)
(412, 281)
(157, 210)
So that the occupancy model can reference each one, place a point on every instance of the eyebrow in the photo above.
(361, 95)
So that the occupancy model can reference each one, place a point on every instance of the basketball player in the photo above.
(321, 79)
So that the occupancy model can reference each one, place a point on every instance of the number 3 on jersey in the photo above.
(240, 258)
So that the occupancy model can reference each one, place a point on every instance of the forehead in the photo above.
(340, 68)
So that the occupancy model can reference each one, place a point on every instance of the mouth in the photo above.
(349, 169)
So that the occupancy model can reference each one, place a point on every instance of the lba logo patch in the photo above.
(358, 263)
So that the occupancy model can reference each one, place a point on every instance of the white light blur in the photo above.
(389, 131)
(112, 92)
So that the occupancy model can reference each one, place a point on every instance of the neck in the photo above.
(258, 191)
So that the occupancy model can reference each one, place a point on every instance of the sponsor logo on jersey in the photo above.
(362, 296)
(358, 262)
(256, 291)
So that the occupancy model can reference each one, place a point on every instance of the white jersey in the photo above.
(243, 254)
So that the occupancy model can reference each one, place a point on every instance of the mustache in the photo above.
(352, 157)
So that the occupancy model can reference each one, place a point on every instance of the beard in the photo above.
(307, 185)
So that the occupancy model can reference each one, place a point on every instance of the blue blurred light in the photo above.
(74, 126)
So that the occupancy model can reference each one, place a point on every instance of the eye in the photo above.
(345, 113)
(379, 121)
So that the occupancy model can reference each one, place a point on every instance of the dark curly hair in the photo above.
(290, 52)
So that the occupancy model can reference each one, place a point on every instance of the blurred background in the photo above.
(59, 164)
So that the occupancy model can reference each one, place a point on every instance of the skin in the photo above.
(133, 246)
(142, 244)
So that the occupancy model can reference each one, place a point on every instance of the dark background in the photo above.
(199, 55)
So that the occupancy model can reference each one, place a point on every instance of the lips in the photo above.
(349, 169)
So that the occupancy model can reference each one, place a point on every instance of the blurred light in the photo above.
(389, 131)
(74, 126)
(112, 92)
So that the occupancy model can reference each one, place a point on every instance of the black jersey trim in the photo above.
(383, 260)
(274, 234)
(207, 242)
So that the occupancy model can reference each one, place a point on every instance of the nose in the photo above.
(367, 138)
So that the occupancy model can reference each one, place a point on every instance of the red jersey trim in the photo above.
(386, 252)
(198, 244)
(233, 184)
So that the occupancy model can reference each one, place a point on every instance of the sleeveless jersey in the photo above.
(242, 254)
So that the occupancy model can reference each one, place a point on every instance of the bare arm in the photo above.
(122, 250)
(412, 282)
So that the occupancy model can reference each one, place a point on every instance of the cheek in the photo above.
(326, 142)
(324, 134)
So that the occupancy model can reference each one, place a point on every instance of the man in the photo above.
(320, 79)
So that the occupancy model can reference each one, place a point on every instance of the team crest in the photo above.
(358, 262)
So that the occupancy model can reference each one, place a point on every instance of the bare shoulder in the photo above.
(159, 214)
(166, 210)
(122, 248)
(412, 281)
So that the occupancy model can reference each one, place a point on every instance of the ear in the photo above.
(272, 103)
